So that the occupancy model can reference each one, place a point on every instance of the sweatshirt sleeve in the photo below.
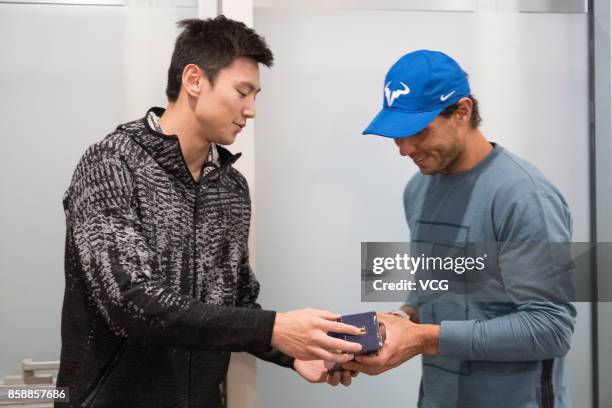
(536, 275)
(114, 260)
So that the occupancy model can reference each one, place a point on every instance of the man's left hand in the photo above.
(403, 340)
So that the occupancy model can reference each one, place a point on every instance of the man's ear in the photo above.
(464, 110)
(194, 81)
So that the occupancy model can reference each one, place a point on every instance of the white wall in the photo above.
(322, 187)
(69, 75)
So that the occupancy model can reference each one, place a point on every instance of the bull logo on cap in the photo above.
(391, 96)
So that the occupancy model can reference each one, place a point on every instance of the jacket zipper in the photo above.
(106, 370)
(197, 186)
(195, 276)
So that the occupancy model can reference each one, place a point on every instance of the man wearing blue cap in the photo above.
(475, 354)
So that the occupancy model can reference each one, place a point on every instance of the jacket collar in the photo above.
(166, 149)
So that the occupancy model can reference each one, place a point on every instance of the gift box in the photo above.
(370, 338)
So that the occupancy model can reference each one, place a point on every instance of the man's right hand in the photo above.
(403, 340)
(302, 334)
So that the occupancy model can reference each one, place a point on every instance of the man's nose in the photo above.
(406, 146)
(249, 111)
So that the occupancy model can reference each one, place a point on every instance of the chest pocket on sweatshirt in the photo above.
(440, 246)
(441, 233)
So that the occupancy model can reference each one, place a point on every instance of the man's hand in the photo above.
(403, 340)
(315, 371)
(302, 334)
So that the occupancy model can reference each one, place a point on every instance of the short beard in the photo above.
(454, 154)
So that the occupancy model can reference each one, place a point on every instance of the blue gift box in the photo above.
(370, 338)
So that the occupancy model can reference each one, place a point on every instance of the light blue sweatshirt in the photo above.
(493, 355)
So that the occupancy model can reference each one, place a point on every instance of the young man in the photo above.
(468, 190)
(158, 285)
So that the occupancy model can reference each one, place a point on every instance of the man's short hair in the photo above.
(213, 44)
(475, 119)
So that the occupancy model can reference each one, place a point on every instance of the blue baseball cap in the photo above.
(418, 87)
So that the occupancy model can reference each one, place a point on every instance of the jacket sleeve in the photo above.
(535, 272)
(114, 261)
(275, 356)
(247, 297)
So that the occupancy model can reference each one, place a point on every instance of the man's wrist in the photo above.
(276, 330)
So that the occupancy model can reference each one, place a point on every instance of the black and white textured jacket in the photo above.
(158, 285)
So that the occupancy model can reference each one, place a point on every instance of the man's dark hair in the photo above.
(213, 44)
(475, 119)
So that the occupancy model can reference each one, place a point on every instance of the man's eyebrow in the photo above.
(250, 86)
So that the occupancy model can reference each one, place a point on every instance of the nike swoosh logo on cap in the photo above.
(445, 97)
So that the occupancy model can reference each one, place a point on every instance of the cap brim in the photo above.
(396, 124)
